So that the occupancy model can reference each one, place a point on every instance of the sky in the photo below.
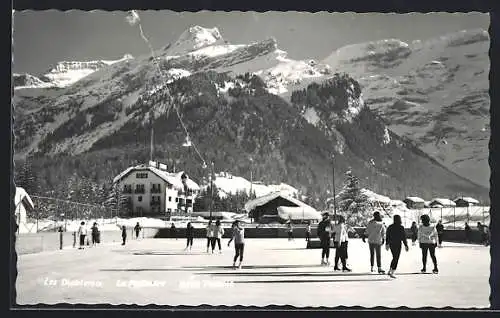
(43, 38)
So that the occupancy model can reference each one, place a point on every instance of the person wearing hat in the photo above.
(375, 232)
(325, 230)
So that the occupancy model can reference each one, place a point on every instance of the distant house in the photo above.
(465, 202)
(414, 203)
(441, 203)
(377, 199)
(152, 190)
(280, 207)
(23, 205)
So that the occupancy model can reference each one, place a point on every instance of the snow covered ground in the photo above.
(275, 271)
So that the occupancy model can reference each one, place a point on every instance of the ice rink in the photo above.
(275, 271)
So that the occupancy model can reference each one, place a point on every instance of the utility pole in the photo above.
(251, 176)
(211, 189)
(333, 180)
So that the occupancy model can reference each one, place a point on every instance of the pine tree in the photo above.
(353, 202)
(27, 178)
(112, 198)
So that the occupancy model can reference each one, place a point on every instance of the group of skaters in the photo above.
(95, 235)
(483, 231)
(377, 235)
(214, 233)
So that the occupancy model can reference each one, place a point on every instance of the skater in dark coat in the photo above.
(467, 232)
(290, 230)
(395, 235)
(189, 236)
(414, 233)
(95, 234)
(325, 230)
(124, 234)
(137, 229)
(308, 232)
(173, 230)
(440, 230)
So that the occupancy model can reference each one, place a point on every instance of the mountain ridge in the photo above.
(126, 96)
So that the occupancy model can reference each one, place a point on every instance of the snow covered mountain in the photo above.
(114, 99)
(66, 73)
(27, 81)
(434, 92)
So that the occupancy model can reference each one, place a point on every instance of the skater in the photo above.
(341, 241)
(375, 231)
(440, 231)
(95, 234)
(124, 234)
(483, 230)
(290, 230)
(82, 233)
(427, 237)
(137, 229)
(210, 234)
(173, 231)
(414, 233)
(395, 235)
(218, 233)
(308, 232)
(325, 230)
(467, 232)
(239, 242)
(189, 236)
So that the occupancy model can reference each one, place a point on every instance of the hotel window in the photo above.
(139, 188)
(156, 188)
(169, 199)
(127, 188)
(141, 175)
(176, 199)
(139, 198)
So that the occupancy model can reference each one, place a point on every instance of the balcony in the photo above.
(139, 191)
(127, 190)
(155, 190)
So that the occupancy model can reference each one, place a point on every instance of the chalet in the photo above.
(152, 190)
(414, 203)
(23, 205)
(378, 200)
(280, 207)
(441, 203)
(465, 202)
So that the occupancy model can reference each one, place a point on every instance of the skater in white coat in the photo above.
(239, 242)
(427, 237)
(218, 233)
(210, 234)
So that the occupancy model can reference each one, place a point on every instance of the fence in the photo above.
(454, 217)
(50, 213)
